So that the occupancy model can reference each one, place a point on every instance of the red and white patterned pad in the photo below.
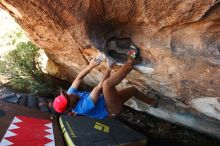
(26, 131)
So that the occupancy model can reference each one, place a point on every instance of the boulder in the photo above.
(179, 43)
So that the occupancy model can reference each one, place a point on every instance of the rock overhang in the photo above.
(179, 41)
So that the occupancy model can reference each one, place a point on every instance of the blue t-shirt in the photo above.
(86, 106)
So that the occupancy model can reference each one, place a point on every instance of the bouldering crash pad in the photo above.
(84, 131)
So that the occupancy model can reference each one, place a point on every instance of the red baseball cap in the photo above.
(60, 103)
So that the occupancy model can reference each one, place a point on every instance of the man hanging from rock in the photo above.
(104, 100)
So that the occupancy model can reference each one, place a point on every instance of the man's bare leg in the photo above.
(127, 93)
(113, 100)
(118, 76)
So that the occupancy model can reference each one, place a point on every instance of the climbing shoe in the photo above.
(134, 53)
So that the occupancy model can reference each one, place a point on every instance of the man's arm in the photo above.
(93, 63)
(97, 90)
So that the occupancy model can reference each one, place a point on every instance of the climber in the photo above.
(104, 100)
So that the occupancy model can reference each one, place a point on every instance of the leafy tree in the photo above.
(21, 66)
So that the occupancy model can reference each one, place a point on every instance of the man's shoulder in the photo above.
(78, 92)
(72, 90)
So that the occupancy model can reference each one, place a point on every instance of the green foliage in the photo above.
(21, 66)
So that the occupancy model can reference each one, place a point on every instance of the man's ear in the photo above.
(64, 93)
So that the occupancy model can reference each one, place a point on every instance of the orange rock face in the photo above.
(179, 40)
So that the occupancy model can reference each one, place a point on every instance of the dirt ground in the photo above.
(162, 133)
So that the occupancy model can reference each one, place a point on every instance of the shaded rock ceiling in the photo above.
(179, 42)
